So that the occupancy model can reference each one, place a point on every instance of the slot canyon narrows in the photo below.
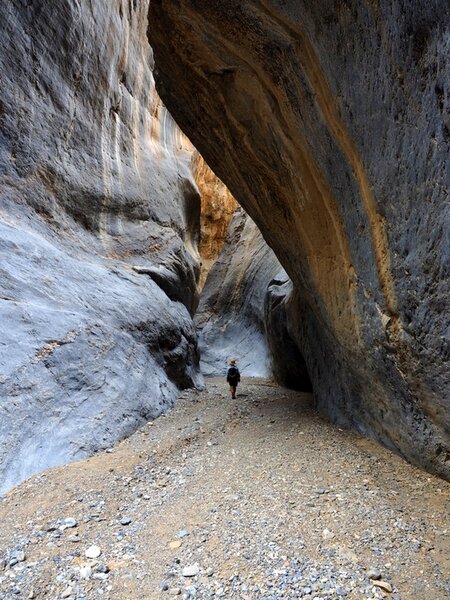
(187, 182)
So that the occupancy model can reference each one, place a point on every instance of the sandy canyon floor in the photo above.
(254, 498)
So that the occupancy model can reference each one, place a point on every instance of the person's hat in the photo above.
(232, 361)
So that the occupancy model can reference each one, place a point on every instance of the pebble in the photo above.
(85, 572)
(16, 557)
(191, 571)
(384, 585)
(373, 574)
(93, 552)
(125, 520)
(67, 592)
(327, 534)
(68, 524)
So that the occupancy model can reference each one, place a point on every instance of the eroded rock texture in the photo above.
(217, 208)
(99, 225)
(328, 121)
(230, 316)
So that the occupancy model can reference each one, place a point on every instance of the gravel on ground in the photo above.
(257, 498)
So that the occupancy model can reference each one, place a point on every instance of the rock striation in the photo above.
(99, 227)
(230, 317)
(217, 209)
(329, 124)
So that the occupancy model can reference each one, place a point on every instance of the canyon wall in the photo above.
(99, 226)
(217, 208)
(230, 317)
(329, 123)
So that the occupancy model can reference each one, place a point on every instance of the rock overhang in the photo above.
(303, 111)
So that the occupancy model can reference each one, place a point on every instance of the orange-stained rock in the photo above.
(217, 208)
(328, 121)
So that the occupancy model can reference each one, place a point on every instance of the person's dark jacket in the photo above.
(233, 375)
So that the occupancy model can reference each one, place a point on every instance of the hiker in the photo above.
(233, 378)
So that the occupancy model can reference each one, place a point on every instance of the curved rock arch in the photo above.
(322, 120)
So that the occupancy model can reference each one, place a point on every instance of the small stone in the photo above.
(125, 520)
(175, 545)
(85, 572)
(16, 557)
(182, 533)
(31, 595)
(93, 552)
(384, 585)
(102, 568)
(373, 574)
(191, 571)
(67, 592)
(209, 572)
(327, 534)
(68, 524)
(174, 591)
(164, 587)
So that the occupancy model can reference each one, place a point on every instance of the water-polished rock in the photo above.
(329, 123)
(99, 224)
(230, 316)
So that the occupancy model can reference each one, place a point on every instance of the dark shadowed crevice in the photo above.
(289, 367)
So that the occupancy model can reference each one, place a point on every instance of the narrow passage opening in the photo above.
(244, 293)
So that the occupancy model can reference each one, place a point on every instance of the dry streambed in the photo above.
(257, 498)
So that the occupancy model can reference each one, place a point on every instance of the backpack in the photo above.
(233, 375)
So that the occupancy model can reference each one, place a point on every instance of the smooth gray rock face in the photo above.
(99, 224)
(329, 123)
(230, 316)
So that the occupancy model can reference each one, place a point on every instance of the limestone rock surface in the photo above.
(230, 316)
(217, 209)
(329, 122)
(99, 226)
